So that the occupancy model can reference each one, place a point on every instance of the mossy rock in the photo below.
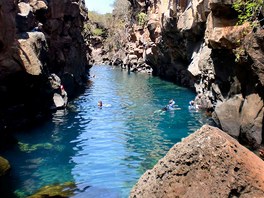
(30, 148)
(58, 191)
(4, 166)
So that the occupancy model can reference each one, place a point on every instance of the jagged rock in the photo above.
(7, 26)
(132, 58)
(33, 48)
(28, 57)
(118, 62)
(186, 20)
(73, 9)
(194, 68)
(228, 115)
(254, 47)
(242, 118)
(55, 81)
(60, 97)
(25, 19)
(208, 163)
(57, 9)
(7, 40)
(252, 119)
(58, 100)
(38, 5)
(4, 166)
(223, 33)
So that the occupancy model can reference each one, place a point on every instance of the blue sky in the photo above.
(100, 6)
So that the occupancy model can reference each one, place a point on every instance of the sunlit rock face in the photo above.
(197, 44)
(38, 38)
(208, 163)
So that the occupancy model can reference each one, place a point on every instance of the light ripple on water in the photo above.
(105, 151)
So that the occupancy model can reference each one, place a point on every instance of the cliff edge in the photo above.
(39, 40)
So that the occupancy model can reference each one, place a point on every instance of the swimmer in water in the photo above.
(171, 106)
(100, 104)
(193, 106)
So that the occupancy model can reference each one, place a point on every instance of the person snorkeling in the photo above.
(171, 106)
(193, 106)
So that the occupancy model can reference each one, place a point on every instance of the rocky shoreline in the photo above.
(198, 44)
(43, 62)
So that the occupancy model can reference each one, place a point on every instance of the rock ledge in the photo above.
(208, 163)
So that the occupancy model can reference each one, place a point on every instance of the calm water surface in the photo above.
(104, 151)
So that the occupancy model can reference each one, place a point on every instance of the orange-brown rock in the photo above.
(208, 163)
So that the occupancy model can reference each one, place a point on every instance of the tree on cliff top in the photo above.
(118, 27)
(98, 23)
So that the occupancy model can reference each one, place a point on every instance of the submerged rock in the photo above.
(59, 190)
(24, 147)
(4, 166)
(208, 163)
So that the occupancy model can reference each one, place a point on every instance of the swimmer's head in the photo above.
(100, 103)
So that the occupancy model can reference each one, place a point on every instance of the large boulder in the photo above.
(242, 118)
(252, 119)
(227, 115)
(208, 163)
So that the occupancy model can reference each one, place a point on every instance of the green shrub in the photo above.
(248, 10)
(142, 18)
(97, 32)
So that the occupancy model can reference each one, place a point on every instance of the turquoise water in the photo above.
(104, 151)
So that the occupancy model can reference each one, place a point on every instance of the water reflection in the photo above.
(104, 151)
(123, 141)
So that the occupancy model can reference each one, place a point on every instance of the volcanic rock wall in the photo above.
(198, 44)
(38, 38)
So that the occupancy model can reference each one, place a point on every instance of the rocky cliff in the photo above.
(199, 44)
(38, 38)
(208, 163)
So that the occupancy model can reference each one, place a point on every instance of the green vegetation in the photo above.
(56, 190)
(100, 19)
(97, 24)
(118, 27)
(24, 147)
(248, 10)
(142, 18)
(113, 28)
(97, 32)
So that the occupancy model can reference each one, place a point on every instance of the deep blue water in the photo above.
(104, 151)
